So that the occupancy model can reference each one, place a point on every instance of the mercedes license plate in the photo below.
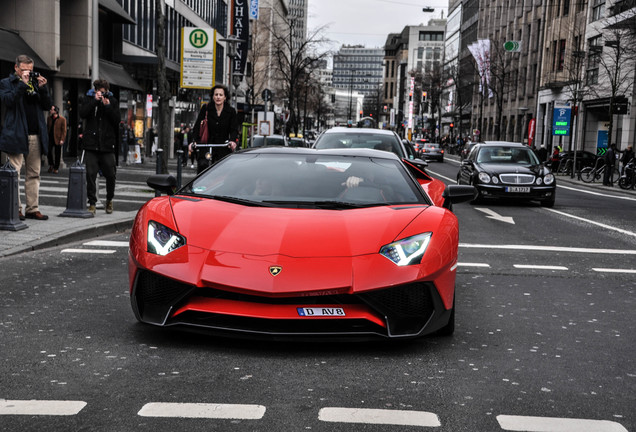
(320, 311)
(518, 189)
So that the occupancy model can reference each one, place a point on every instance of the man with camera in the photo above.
(24, 135)
(100, 140)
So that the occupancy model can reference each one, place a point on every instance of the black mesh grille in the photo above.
(155, 295)
(407, 308)
(154, 289)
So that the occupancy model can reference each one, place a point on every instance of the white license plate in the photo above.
(518, 189)
(320, 311)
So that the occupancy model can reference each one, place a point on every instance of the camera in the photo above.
(34, 74)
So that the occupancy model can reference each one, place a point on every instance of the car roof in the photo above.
(331, 152)
(340, 129)
(502, 143)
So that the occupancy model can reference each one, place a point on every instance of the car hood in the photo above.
(498, 168)
(226, 227)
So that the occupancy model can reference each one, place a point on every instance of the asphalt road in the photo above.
(545, 341)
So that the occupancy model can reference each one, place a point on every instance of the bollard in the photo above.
(9, 190)
(76, 196)
(179, 167)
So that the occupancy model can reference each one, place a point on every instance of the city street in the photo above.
(545, 338)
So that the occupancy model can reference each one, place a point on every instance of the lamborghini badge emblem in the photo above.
(275, 270)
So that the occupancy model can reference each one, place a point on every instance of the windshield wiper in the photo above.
(236, 200)
(327, 205)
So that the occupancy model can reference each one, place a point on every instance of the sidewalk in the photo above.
(60, 230)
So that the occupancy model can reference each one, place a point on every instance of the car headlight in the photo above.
(484, 178)
(548, 179)
(495, 179)
(162, 240)
(407, 251)
(539, 180)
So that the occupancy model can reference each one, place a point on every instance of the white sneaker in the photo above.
(192, 166)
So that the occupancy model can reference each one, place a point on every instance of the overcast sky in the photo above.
(368, 22)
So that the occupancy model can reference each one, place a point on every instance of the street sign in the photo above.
(266, 95)
(561, 119)
(512, 46)
(198, 51)
(254, 9)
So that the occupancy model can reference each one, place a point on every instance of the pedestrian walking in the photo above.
(24, 137)
(100, 110)
(56, 126)
(610, 163)
(554, 159)
(222, 126)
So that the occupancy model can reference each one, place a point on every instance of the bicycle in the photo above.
(592, 174)
(628, 178)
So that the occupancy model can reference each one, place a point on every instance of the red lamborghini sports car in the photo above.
(296, 242)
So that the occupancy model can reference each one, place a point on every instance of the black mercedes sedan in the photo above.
(500, 169)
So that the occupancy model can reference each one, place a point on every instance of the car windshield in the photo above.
(507, 155)
(352, 139)
(307, 181)
(431, 146)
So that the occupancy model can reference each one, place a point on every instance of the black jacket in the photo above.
(101, 127)
(220, 128)
(15, 136)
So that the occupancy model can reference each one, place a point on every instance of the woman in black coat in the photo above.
(222, 126)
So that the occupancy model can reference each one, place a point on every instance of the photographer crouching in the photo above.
(24, 136)
(100, 110)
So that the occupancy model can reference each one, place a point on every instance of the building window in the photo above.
(561, 55)
(593, 59)
(598, 10)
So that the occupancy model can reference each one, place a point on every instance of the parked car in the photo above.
(304, 243)
(432, 151)
(500, 169)
(270, 140)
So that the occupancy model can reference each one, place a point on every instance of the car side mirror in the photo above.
(420, 163)
(164, 183)
(455, 194)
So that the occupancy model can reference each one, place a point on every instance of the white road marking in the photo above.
(603, 194)
(473, 265)
(539, 267)
(107, 243)
(609, 227)
(550, 249)
(89, 251)
(203, 410)
(40, 407)
(550, 424)
(608, 270)
(379, 416)
(494, 215)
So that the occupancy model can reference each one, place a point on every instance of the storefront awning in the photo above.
(117, 14)
(116, 75)
(12, 45)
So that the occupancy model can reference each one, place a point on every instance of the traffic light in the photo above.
(385, 108)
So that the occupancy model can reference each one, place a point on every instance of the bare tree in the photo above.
(294, 59)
